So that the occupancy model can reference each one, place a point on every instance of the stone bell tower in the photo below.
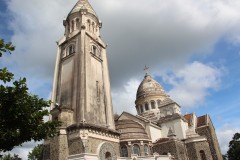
(81, 75)
(81, 90)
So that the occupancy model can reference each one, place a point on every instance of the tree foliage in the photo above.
(10, 157)
(224, 157)
(233, 152)
(5, 47)
(36, 153)
(21, 113)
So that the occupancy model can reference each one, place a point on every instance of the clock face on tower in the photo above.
(107, 152)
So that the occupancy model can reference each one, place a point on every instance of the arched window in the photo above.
(72, 25)
(94, 50)
(70, 50)
(68, 28)
(124, 151)
(88, 24)
(203, 156)
(77, 23)
(141, 108)
(93, 27)
(158, 102)
(146, 150)
(136, 149)
(108, 156)
(146, 107)
(153, 105)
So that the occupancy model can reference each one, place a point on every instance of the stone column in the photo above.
(59, 144)
(129, 147)
(142, 148)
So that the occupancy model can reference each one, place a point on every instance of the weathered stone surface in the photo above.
(208, 131)
(174, 147)
(59, 148)
(81, 89)
(75, 146)
(46, 152)
(195, 148)
(107, 151)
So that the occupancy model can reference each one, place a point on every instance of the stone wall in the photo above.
(46, 152)
(174, 147)
(93, 145)
(75, 146)
(59, 144)
(209, 133)
(181, 151)
(194, 150)
(58, 148)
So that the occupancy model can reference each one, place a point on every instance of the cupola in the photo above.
(149, 96)
(149, 87)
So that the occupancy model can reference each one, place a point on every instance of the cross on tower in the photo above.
(146, 69)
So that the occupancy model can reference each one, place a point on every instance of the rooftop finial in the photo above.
(146, 69)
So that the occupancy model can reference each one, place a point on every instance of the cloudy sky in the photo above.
(192, 48)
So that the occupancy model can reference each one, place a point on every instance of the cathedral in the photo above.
(82, 101)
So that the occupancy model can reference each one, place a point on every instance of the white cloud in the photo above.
(163, 34)
(37, 25)
(191, 83)
(158, 33)
(23, 150)
(225, 135)
(124, 98)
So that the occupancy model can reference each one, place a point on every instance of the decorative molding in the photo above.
(94, 128)
(106, 148)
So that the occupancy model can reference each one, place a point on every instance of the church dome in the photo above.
(130, 129)
(83, 5)
(149, 87)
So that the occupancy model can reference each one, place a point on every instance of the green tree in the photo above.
(36, 153)
(21, 113)
(233, 152)
(5, 47)
(10, 157)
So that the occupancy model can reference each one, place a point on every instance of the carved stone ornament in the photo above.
(107, 152)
